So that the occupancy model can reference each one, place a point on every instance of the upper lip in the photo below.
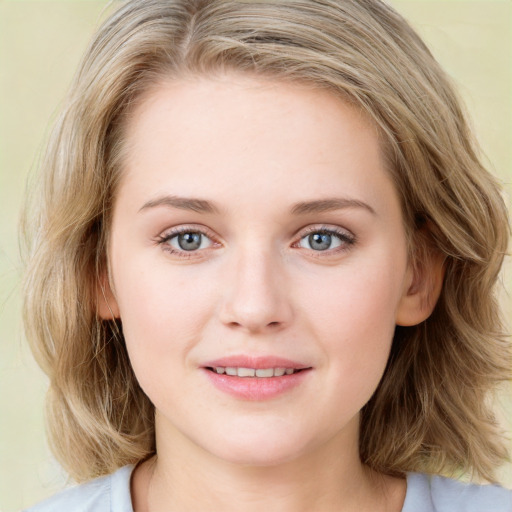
(256, 362)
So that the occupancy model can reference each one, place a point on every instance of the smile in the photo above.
(254, 372)
(252, 378)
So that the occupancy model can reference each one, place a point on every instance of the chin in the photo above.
(257, 448)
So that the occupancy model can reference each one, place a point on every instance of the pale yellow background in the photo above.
(40, 45)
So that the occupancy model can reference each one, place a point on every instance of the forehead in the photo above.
(236, 134)
(243, 101)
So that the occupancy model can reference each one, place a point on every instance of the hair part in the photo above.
(431, 410)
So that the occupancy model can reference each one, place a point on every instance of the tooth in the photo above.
(278, 372)
(231, 371)
(246, 372)
(219, 369)
(265, 372)
(289, 371)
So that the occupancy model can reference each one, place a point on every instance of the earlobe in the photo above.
(106, 303)
(422, 289)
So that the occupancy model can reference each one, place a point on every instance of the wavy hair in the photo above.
(431, 411)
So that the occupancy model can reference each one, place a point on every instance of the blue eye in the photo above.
(189, 241)
(324, 240)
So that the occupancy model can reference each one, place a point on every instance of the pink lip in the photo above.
(257, 362)
(255, 388)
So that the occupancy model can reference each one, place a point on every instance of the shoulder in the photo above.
(427, 493)
(105, 494)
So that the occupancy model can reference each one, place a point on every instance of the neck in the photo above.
(331, 477)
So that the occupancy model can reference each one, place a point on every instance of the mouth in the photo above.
(256, 378)
(260, 373)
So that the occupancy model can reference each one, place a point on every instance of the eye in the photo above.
(326, 239)
(185, 240)
(189, 241)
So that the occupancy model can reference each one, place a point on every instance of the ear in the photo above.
(106, 303)
(422, 288)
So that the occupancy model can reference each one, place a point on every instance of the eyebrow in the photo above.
(183, 203)
(327, 205)
(301, 208)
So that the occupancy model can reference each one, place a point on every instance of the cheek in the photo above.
(356, 298)
(162, 317)
(355, 331)
(163, 309)
(353, 317)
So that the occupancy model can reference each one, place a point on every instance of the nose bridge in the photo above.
(256, 297)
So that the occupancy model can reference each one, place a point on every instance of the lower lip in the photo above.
(256, 388)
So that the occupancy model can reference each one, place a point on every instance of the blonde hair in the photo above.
(431, 411)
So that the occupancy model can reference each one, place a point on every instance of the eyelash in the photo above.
(346, 238)
(164, 239)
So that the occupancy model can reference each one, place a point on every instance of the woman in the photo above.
(264, 266)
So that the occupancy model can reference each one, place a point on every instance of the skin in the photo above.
(255, 149)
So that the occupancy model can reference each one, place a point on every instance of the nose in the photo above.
(255, 298)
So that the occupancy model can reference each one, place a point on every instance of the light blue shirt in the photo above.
(424, 494)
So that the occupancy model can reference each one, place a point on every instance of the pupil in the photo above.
(320, 241)
(189, 241)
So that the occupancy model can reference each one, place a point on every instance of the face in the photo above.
(259, 265)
